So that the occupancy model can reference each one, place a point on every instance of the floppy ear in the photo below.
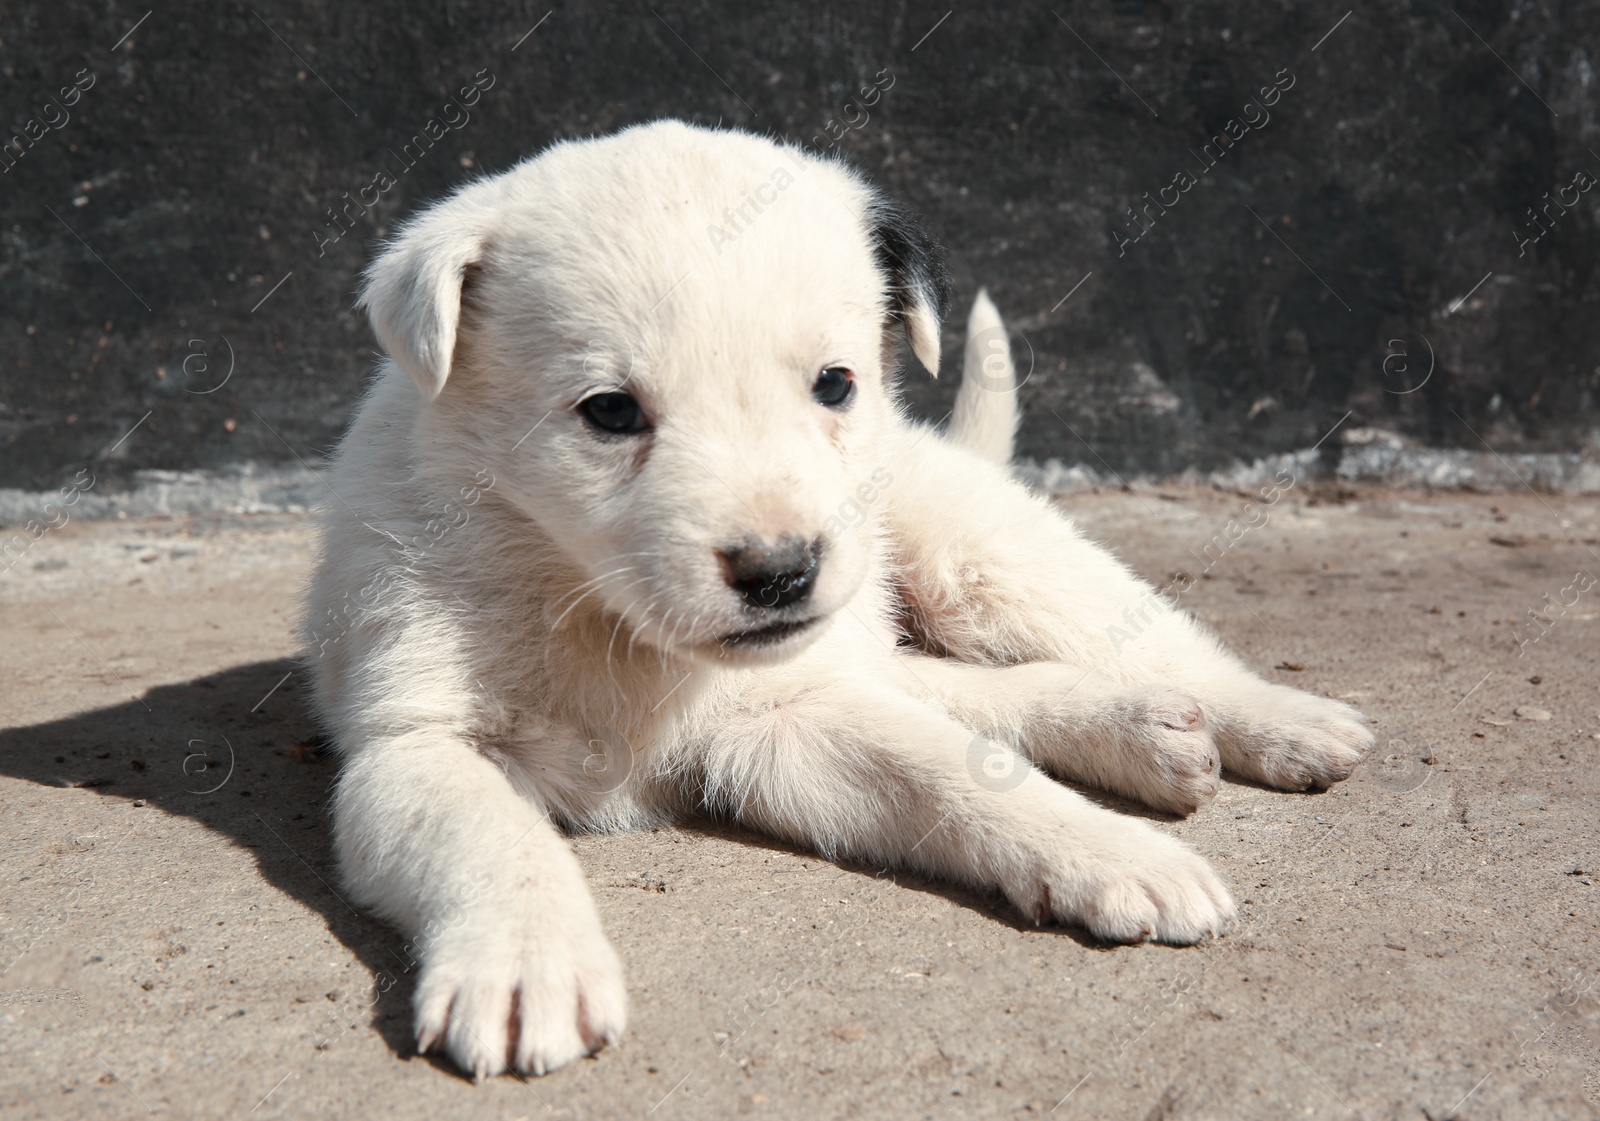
(413, 294)
(919, 286)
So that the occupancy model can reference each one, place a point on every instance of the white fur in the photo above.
(515, 624)
(985, 417)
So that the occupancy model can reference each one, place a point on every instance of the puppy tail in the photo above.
(985, 416)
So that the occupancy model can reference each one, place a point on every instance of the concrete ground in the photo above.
(1419, 942)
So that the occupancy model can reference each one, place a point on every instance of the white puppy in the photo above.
(633, 524)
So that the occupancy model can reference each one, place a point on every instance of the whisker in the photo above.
(617, 557)
(598, 583)
(610, 669)
(649, 609)
(667, 647)
(603, 575)
(632, 584)
(697, 620)
(666, 643)
(664, 619)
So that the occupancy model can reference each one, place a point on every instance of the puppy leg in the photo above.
(864, 770)
(1146, 742)
(1010, 580)
(516, 972)
(1275, 735)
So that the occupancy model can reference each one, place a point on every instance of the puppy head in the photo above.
(677, 351)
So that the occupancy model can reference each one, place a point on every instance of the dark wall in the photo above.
(1390, 175)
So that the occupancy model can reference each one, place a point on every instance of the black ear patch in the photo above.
(911, 260)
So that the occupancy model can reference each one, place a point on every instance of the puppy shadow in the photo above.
(238, 752)
(1128, 807)
(991, 904)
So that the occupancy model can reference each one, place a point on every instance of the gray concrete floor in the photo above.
(1419, 942)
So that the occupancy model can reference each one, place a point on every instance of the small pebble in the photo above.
(1529, 712)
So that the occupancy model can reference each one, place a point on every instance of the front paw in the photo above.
(1173, 763)
(1151, 744)
(522, 992)
(1296, 741)
(1138, 885)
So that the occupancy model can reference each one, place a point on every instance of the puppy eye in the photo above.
(834, 387)
(613, 412)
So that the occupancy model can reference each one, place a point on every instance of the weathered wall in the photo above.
(1390, 174)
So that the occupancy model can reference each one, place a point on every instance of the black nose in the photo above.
(771, 576)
